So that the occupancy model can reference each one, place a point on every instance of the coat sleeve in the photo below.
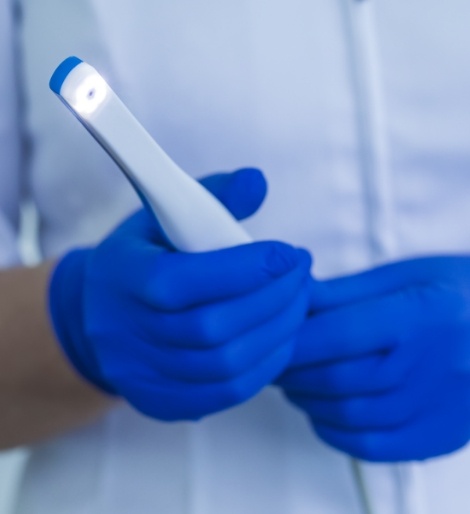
(10, 139)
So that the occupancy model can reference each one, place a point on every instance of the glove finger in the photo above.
(357, 330)
(140, 225)
(379, 411)
(242, 192)
(420, 390)
(216, 324)
(376, 373)
(435, 433)
(381, 281)
(169, 400)
(177, 281)
(234, 359)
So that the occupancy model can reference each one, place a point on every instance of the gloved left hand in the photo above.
(181, 335)
(382, 366)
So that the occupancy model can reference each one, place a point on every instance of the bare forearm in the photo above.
(40, 394)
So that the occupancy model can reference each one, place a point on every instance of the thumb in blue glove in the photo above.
(382, 366)
(179, 335)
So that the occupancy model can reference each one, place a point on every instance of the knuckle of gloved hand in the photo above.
(235, 392)
(301, 306)
(228, 363)
(439, 309)
(302, 402)
(392, 374)
(461, 435)
(351, 413)
(438, 303)
(173, 414)
(335, 381)
(363, 414)
(97, 329)
(366, 446)
(170, 406)
(280, 259)
(208, 327)
(164, 287)
(456, 310)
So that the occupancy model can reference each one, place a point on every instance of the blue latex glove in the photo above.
(181, 335)
(382, 367)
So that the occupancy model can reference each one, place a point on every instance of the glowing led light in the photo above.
(163, 186)
(90, 94)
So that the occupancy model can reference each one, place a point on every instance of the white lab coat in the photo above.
(359, 113)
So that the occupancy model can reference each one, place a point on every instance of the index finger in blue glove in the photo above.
(170, 400)
(371, 411)
(428, 323)
(178, 281)
(374, 373)
(353, 330)
(381, 281)
(215, 323)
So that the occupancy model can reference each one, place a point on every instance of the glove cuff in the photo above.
(66, 312)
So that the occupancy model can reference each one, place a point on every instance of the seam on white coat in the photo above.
(373, 147)
(411, 487)
(362, 44)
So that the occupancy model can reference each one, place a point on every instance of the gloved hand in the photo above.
(382, 366)
(180, 335)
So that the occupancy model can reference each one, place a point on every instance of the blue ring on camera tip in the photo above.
(61, 73)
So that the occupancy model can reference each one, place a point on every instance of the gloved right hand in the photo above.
(181, 335)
